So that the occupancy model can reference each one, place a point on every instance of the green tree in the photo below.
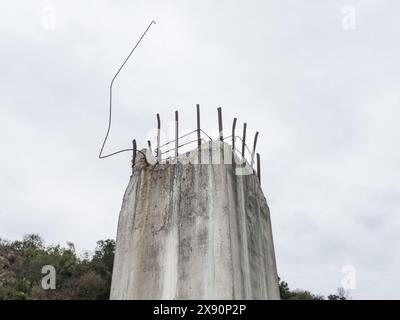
(287, 294)
(102, 263)
(341, 294)
(21, 264)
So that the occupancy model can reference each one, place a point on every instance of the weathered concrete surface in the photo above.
(194, 231)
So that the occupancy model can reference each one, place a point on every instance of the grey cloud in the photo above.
(325, 102)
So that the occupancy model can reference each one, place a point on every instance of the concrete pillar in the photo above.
(194, 231)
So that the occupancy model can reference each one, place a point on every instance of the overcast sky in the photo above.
(322, 88)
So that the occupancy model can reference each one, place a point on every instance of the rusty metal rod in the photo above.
(176, 135)
(254, 149)
(111, 100)
(221, 134)
(158, 138)
(134, 148)
(198, 125)
(244, 138)
(150, 149)
(258, 168)
(233, 133)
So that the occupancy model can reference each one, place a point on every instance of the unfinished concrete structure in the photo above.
(196, 226)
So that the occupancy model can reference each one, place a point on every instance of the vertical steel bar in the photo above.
(233, 134)
(158, 138)
(198, 126)
(134, 148)
(244, 138)
(150, 149)
(221, 134)
(258, 168)
(254, 149)
(176, 135)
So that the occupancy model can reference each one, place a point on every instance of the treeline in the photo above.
(78, 277)
(299, 294)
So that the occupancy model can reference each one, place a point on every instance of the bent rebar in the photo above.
(110, 109)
